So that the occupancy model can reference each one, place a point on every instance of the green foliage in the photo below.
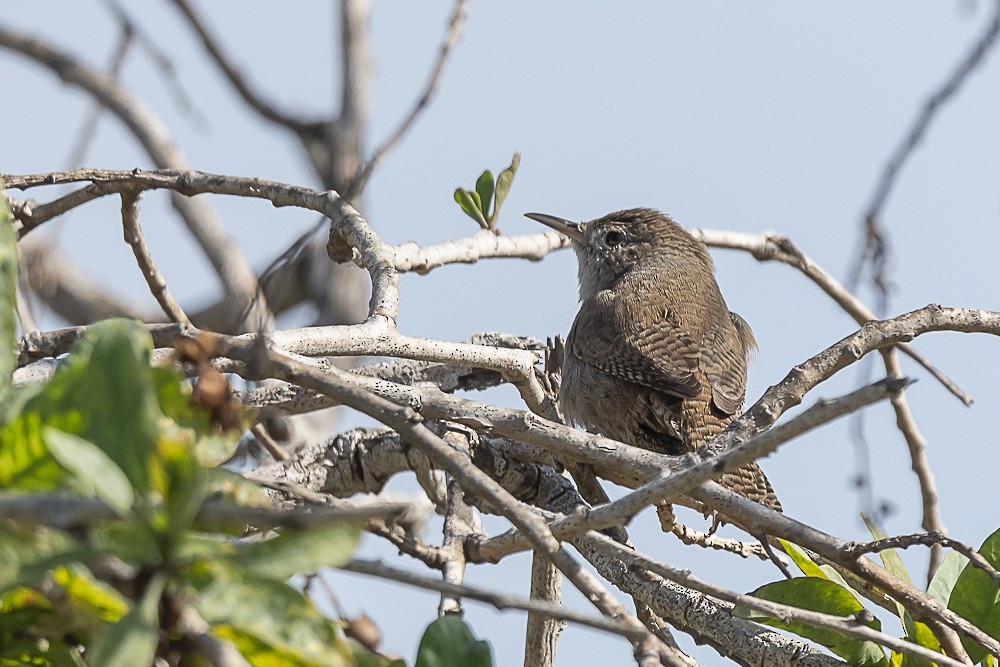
(133, 639)
(271, 622)
(825, 596)
(448, 641)
(968, 591)
(976, 598)
(109, 427)
(483, 203)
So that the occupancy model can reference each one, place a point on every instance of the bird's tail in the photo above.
(701, 423)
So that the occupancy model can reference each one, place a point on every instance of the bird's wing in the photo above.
(623, 337)
(725, 358)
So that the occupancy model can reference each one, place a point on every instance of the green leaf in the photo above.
(890, 559)
(83, 589)
(366, 658)
(504, 181)
(824, 596)
(28, 555)
(211, 448)
(298, 552)
(95, 472)
(448, 641)
(915, 631)
(811, 569)
(133, 639)
(26, 464)
(102, 392)
(8, 303)
(484, 188)
(270, 622)
(182, 482)
(472, 208)
(975, 597)
(946, 576)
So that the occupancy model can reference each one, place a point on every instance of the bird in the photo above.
(654, 358)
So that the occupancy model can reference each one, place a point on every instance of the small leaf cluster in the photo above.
(483, 203)
(967, 590)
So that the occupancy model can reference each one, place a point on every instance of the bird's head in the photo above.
(634, 239)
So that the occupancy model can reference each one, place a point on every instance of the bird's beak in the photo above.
(571, 229)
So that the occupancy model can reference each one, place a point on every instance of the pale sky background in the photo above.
(748, 117)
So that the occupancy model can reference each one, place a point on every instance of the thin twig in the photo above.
(154, 278)
(89, 128)
(927, 539)
(239, 82)
(497, 600)
(358, 183)
(162, 60)
(875, 249)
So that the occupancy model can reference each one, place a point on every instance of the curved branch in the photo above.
(224, 256)
(154, 278)
(239, 82)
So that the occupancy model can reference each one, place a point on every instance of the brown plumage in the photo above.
(654, 359)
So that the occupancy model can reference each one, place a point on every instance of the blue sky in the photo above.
(750, 117)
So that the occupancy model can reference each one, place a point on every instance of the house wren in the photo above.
(654, 359)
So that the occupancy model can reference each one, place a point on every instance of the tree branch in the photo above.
(254, 100)
(360, 180)
(154, 278)
(224, 256)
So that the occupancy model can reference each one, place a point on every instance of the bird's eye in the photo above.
(614, 238)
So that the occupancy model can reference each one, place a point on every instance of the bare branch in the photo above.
(676, 479)
(358, 183)
(875, 248)
(774, 247)
(224, 256)
(759, 520)
(542, 631)
(459, 522)
(154, 278)
(708, 621)
(849, 626)
(927, 539)
(239, 82)
(469, 250)
(498, 601)
(406, 422)
(779, 248)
